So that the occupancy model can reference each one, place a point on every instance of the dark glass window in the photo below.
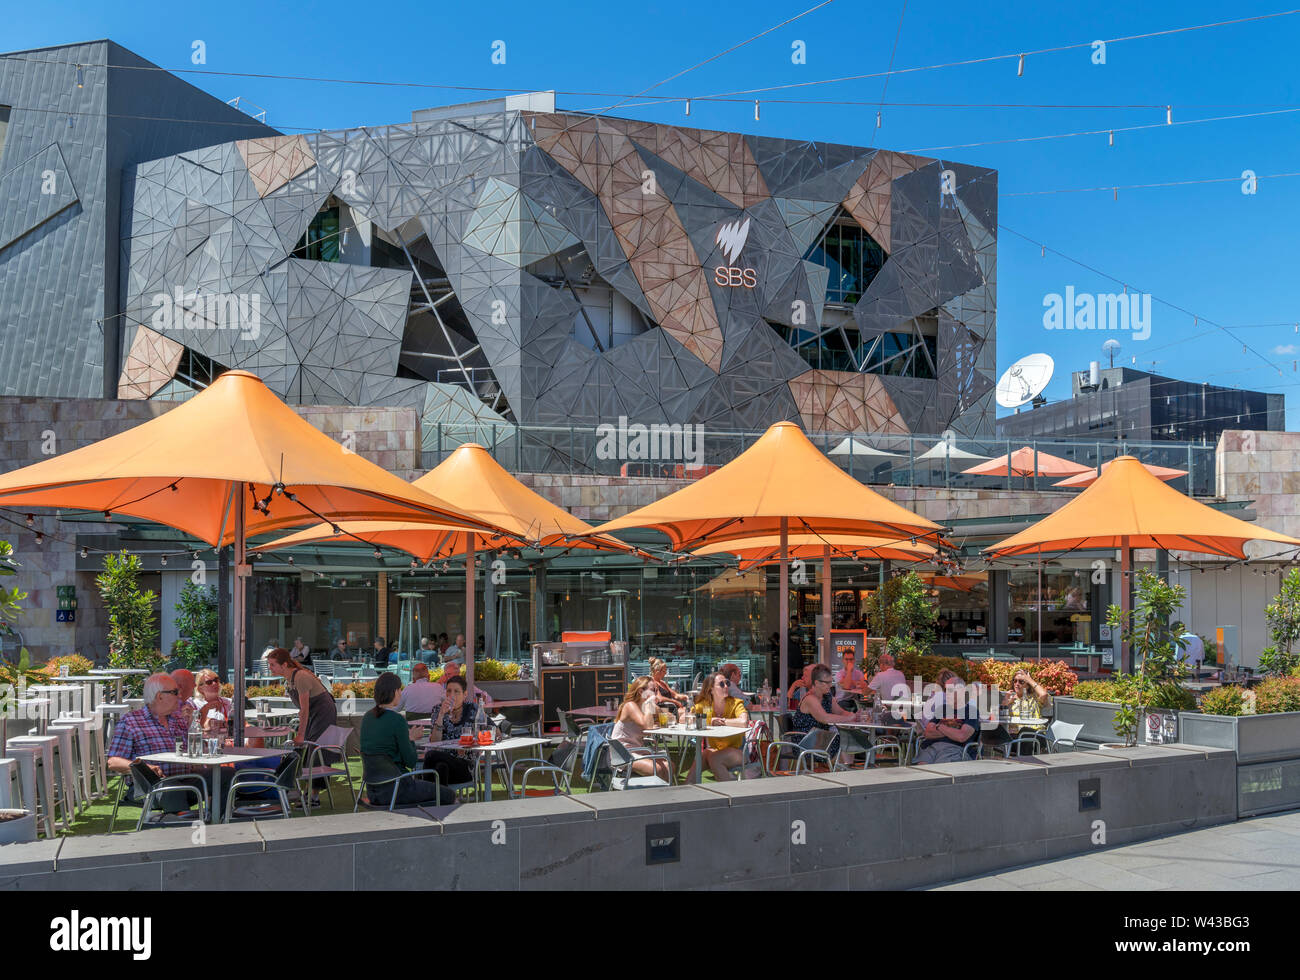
(851, 255)
(4, 129)
(321, 243)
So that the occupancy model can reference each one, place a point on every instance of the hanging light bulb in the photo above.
(378, 553)
(1169, 115)
(756, 110)
(40, 538)
(30, 520)
(196, 556)
(1112, 138)
(163, 559)
(688, 107)
(84, 552)
(1020, 68)
(291, 559)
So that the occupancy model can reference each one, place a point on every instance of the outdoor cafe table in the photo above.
(596, 711)
(42, 717)
(712, 731)
(118, 675)
(504, 745)
(85, 680)
(215, 762)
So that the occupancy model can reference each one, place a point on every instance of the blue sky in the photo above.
(1208, 248)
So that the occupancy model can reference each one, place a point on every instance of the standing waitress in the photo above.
(315, 704)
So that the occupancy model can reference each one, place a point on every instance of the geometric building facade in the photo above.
(503, 261)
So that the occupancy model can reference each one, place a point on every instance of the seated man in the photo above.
(422, 696)
(150, 730)
(849, 681)
(948, 722)
(451, 670)
(379, 653)
(889, 682)
(456, 652)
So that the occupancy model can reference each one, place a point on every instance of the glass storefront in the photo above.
(1061, 608)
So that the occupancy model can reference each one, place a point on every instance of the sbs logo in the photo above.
(731, 238)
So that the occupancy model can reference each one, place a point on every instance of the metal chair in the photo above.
(560, 776)
(808, 752)
(279, 781)
(750, 754)
(188, 783)
(618, 757)
(977, 745)
(852, 744)
(1019, 744)
(1061, 734)
(375, 771)
(333, 739)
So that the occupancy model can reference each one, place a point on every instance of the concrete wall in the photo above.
(886, 828)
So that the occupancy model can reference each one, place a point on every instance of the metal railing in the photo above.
(685, 452)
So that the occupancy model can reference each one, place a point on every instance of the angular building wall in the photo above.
(549, 268)
(77, 115)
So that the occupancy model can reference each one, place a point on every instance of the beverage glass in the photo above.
(180, 746)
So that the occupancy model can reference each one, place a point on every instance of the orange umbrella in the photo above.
(1025, 461)
(471, 480)
(232, 462)
(1089, 476)
(782, 482)
(764, 550)
(1126, 508)
(956, 583)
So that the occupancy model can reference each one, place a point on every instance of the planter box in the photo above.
(508, 690)
(19, 831)
(1097, 718)
(1255, 738)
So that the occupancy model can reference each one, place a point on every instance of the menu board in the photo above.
(851, 641)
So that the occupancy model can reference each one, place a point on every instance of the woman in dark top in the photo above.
(456, 717)
(665, 694)
(384, 733)
(315, 704)
(817, 708)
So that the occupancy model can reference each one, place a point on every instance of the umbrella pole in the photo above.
(470, 575)
(1040, 607)
(239, 597)
(783, 606)
(1125, 598)
(826, 605)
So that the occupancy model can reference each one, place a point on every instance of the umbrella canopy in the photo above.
(222, 453)
(1089, 476)
(1025, 462)
(782, 477)
(855, 447)
(471, 479)
(957, 583)
(231, 462)
(758, 551)
(468, 479)
(1129, 508)
(943, 449)
(781, 483)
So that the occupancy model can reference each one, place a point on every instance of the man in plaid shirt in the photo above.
(153, 728)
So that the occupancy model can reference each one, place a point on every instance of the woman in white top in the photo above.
(635, 715)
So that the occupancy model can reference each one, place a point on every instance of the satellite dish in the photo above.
(1111, 347)
(1025, 380)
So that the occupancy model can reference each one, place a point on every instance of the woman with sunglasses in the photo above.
(716, 703)
(214, 711)
(817, 708)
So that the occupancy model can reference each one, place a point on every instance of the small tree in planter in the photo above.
(903, 613)
(1150, 635)
(132, 635)
(197, 625)
(1283, 616)
(21, 672)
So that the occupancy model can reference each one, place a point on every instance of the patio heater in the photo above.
(509, 641)
(408, 636)
(616, 613)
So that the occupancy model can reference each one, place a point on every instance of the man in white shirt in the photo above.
(453, 670)
(887, 678)
(456, 652)
(422, 695)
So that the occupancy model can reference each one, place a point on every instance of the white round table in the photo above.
(713, 731)
(215, 762)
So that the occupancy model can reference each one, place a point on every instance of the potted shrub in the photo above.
(17, 826)
(1259, 725)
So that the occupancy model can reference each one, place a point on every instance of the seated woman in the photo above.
(634, 716)
(1029, 700)
(384, 733)
(456, 715)
(663, 693)
(717, 704)
(215, 712)
(817, 707)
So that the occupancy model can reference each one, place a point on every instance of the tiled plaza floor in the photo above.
(1261, 853)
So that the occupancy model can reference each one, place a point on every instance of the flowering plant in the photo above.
(1055, 675)
(76, 663)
